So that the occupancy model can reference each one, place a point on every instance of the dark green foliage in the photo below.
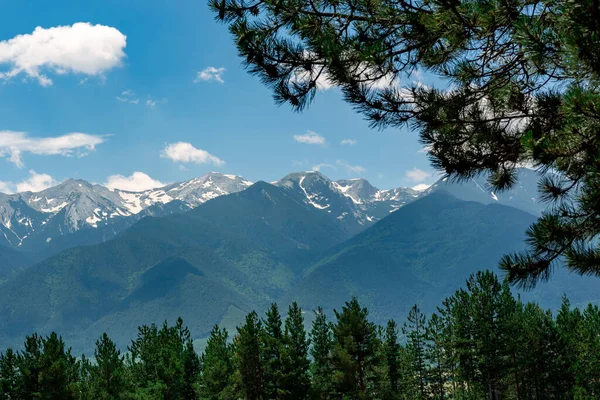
(157, 360)
(415, 331)
(509, 82)
(321, 351)
(272, 346)
(355, 354)
(108, 373)
(436, 356)
(248, 357)
(9, 375)
(217, 366)
(483, 343)
(295, 381)
(392, 354)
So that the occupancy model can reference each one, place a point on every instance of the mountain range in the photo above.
(44, 223)
(215, 256)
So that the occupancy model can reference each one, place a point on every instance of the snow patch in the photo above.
(309, 197)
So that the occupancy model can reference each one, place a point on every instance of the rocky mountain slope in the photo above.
(33, 221)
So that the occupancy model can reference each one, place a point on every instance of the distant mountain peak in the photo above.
(75, 204)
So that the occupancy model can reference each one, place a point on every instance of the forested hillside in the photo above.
(243, 251)
(230, 255)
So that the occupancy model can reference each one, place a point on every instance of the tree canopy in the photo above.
(513, 83)
(482, 343)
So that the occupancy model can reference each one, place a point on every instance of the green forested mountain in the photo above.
(233, 253)
(11, 262)
(421, 253)
(239, 252)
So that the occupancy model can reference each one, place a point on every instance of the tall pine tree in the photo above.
(272, 345)
(355, 353)
(321, 351)
(295, 382)
(217, 366)
(248, 357)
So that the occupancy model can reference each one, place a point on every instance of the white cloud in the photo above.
(310, 138)
(418, 175)
(349, 142)
(82, 48)
(421, 186)
(425, 150)
(14, 144)
(210, 74)
(35, 183)
(318, 167)
(183, 152)
(137, 182)
(6, 187)
(323, 79)
(128, 96)
(353, 169)
(151, 103)
(362, 70)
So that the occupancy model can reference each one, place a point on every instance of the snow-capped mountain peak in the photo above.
(76, 204)
(353, 201)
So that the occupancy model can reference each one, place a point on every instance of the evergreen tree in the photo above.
(482, 344)
(191, 371)
(355, 353)
(29, 365)
(510, 83)
(9, 375)
(416, 336)
(248, 357)
(272, 343)
(157, 361)
(321, 351)
(436, 358)
(295, 383)
(485, 312)
(587, 366)
(392, 355)
(57, 370)
(108, 373)
(533, 351)
(217, 366)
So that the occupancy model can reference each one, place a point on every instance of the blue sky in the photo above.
(233, 126)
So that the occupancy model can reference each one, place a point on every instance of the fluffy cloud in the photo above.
(364, 72)
(35, 183)
(137, 182)
(128, 96)
(82, 48)
(418, 175)
(349, 142)
(6, 187)
(183, 152)
(310, 138)
(353, 169)
(210, 74)
(14, 144)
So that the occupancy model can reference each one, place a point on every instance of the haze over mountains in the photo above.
(303, 238)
